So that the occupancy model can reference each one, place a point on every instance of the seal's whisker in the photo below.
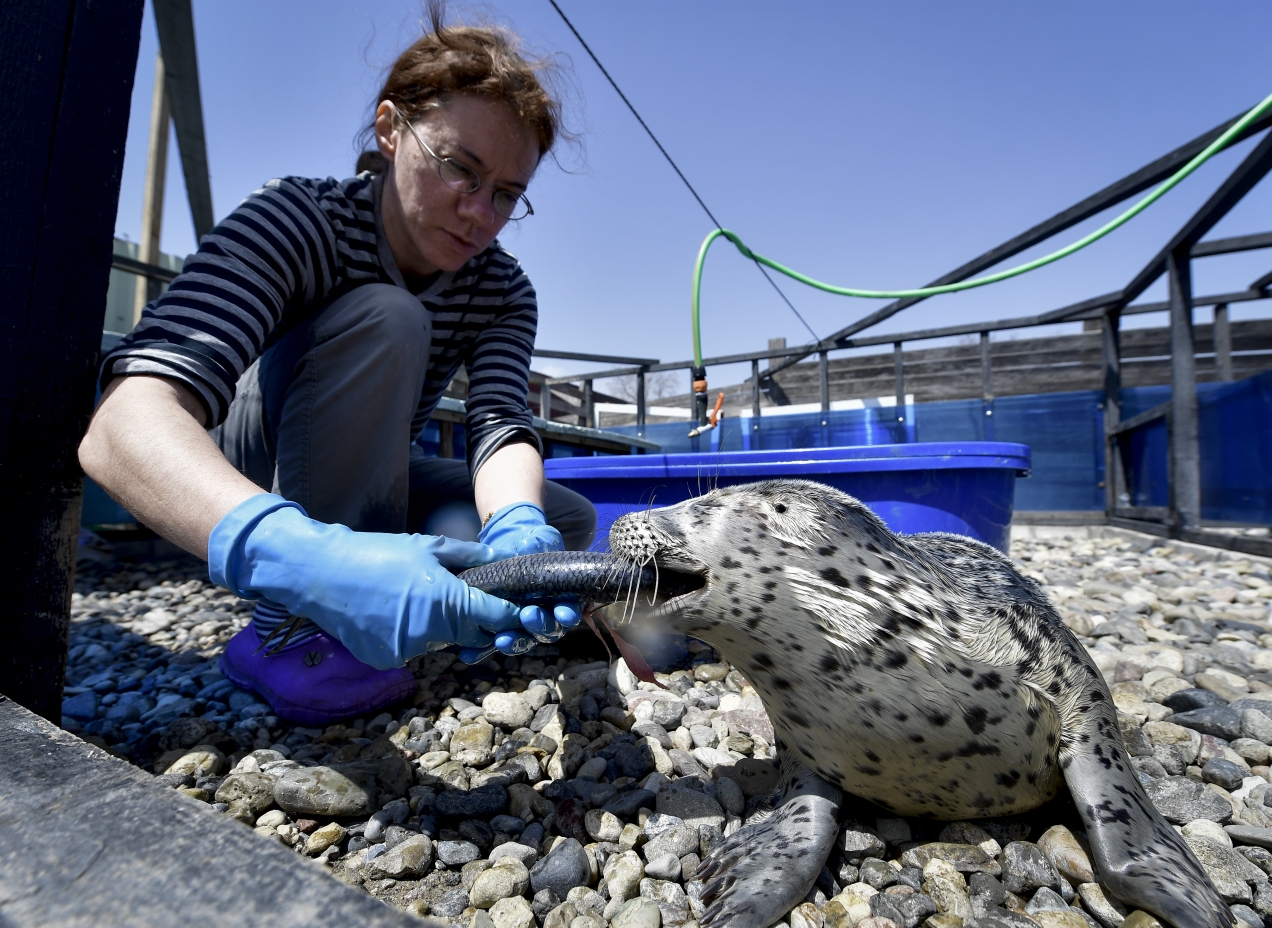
(633, 592)
(633, 588)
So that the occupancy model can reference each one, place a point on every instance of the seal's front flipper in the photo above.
(764, 870)
(1137, 854)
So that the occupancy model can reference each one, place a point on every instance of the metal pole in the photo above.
(898, 366)
(1184, 451)
(823, 372)
(65, 88)
(148, 289)
(640, 403)
(445, 439)
(587, 410)
(1111, 349)
(987, 387)
(545, 401)
(1222, 334)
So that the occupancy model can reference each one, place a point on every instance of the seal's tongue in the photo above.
(635, 660)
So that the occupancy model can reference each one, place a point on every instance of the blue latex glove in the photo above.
(515, 530)
(387, 598)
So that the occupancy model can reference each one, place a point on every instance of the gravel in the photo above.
(556, 791)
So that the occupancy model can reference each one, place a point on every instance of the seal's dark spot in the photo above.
(975, 716)
(832, 575)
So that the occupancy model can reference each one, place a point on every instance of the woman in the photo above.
(301, 352)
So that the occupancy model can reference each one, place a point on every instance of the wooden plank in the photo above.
(598, 358)
(1149, 415)
(174, 21)
(87, 839)
(1260, 547)
(154, 271)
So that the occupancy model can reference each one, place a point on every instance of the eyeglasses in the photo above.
(461, 177)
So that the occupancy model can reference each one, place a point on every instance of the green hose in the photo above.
(1217, 145)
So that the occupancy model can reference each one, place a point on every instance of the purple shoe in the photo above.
(314, 682)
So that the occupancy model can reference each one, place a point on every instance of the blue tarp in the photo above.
(1234, 422)
(1065, 431)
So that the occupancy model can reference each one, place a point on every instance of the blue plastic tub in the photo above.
(961, 487)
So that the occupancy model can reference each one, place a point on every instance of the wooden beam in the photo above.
(641, 405)
(1228, 246)
(90, 839)
(1115, 193)
(1161, 411)
(66, 78)
(823, 370)
(148, 288)
(174, 21)
(598, 358)
(1235, 186)
(898, 368)
(1111, 351)
(587, 409)
(155, 271)
(1223, 343)
(1185, 454)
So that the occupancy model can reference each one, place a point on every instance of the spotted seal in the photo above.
(921, 672)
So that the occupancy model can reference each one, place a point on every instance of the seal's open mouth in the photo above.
(691, 580)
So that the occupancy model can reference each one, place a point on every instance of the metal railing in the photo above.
(1182, 518)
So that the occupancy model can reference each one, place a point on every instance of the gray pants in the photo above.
(323, 418)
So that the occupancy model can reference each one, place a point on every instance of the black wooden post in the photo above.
(1221, 334)
(1185, 454)
(898, 369)
(987, 388)
(755, 394)
(640, 403)
(66, 76)
(1111, 349)
(823, 373)
(587, 409)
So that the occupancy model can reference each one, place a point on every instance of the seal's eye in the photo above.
(780, 507)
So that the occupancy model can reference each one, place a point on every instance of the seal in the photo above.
(921, 672)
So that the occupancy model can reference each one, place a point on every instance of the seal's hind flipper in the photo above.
(764, 870)
(1137, 854)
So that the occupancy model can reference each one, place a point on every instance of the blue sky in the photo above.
(871, 145)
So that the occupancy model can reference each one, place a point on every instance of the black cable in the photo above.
(674, 166)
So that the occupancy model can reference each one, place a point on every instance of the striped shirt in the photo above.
(287, 251)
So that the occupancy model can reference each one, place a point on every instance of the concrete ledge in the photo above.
(87, 839)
